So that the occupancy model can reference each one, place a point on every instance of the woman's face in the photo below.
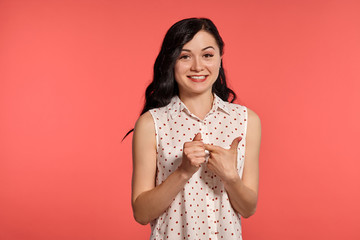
(197, 67)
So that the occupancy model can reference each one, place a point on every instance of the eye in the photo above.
(208, 55)
(184, 57)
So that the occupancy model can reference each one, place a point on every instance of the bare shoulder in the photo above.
(145, 121)
(144, 139)
(144, 131)
(253, 117)
(254, 123)
(144, 126)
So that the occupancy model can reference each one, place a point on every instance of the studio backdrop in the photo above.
(72, 81)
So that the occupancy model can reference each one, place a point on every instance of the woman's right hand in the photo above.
(193, 155)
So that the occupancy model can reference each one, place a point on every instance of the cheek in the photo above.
(178, 73)
(213, 67)
(179, 68)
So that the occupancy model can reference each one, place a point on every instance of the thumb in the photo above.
(197, 137)
(235, 143)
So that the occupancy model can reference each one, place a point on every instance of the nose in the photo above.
(197, 65)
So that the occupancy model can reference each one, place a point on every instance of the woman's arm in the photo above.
(243, 193)
(148, 201)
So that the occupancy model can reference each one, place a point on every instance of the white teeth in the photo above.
(197, 77)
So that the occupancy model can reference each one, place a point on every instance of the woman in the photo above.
(193, 174)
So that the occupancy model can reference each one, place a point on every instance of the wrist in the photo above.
(184, 175)
(232, 179)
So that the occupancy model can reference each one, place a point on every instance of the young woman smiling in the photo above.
(195, 155)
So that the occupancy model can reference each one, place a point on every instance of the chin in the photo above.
(200, 90)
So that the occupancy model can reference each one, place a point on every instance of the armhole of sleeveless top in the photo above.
(245, 132)
(156, 128)
(247, 120)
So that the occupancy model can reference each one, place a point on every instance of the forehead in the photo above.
(201, 40)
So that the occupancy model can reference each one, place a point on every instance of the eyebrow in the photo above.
(187, 50)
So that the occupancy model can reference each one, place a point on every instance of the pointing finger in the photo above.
(212, 148)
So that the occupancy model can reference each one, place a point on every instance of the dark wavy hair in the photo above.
(164, 87)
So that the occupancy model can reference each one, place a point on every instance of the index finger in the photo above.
(212, 148)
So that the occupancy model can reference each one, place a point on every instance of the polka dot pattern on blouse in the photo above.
(202, 209)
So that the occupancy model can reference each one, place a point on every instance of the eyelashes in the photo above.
(184, 57)
(207, 55)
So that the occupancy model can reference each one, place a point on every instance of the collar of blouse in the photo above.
(176, 106)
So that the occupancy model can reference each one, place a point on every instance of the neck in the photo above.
(198, 104)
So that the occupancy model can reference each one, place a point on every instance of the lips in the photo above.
(198, 78)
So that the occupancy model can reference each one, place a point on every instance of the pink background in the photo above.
(72, 82)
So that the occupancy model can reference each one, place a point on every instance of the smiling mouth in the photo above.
(198, 78)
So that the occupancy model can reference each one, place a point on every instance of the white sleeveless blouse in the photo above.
(202, 210)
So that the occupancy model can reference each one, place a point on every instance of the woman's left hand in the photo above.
(223, 162)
